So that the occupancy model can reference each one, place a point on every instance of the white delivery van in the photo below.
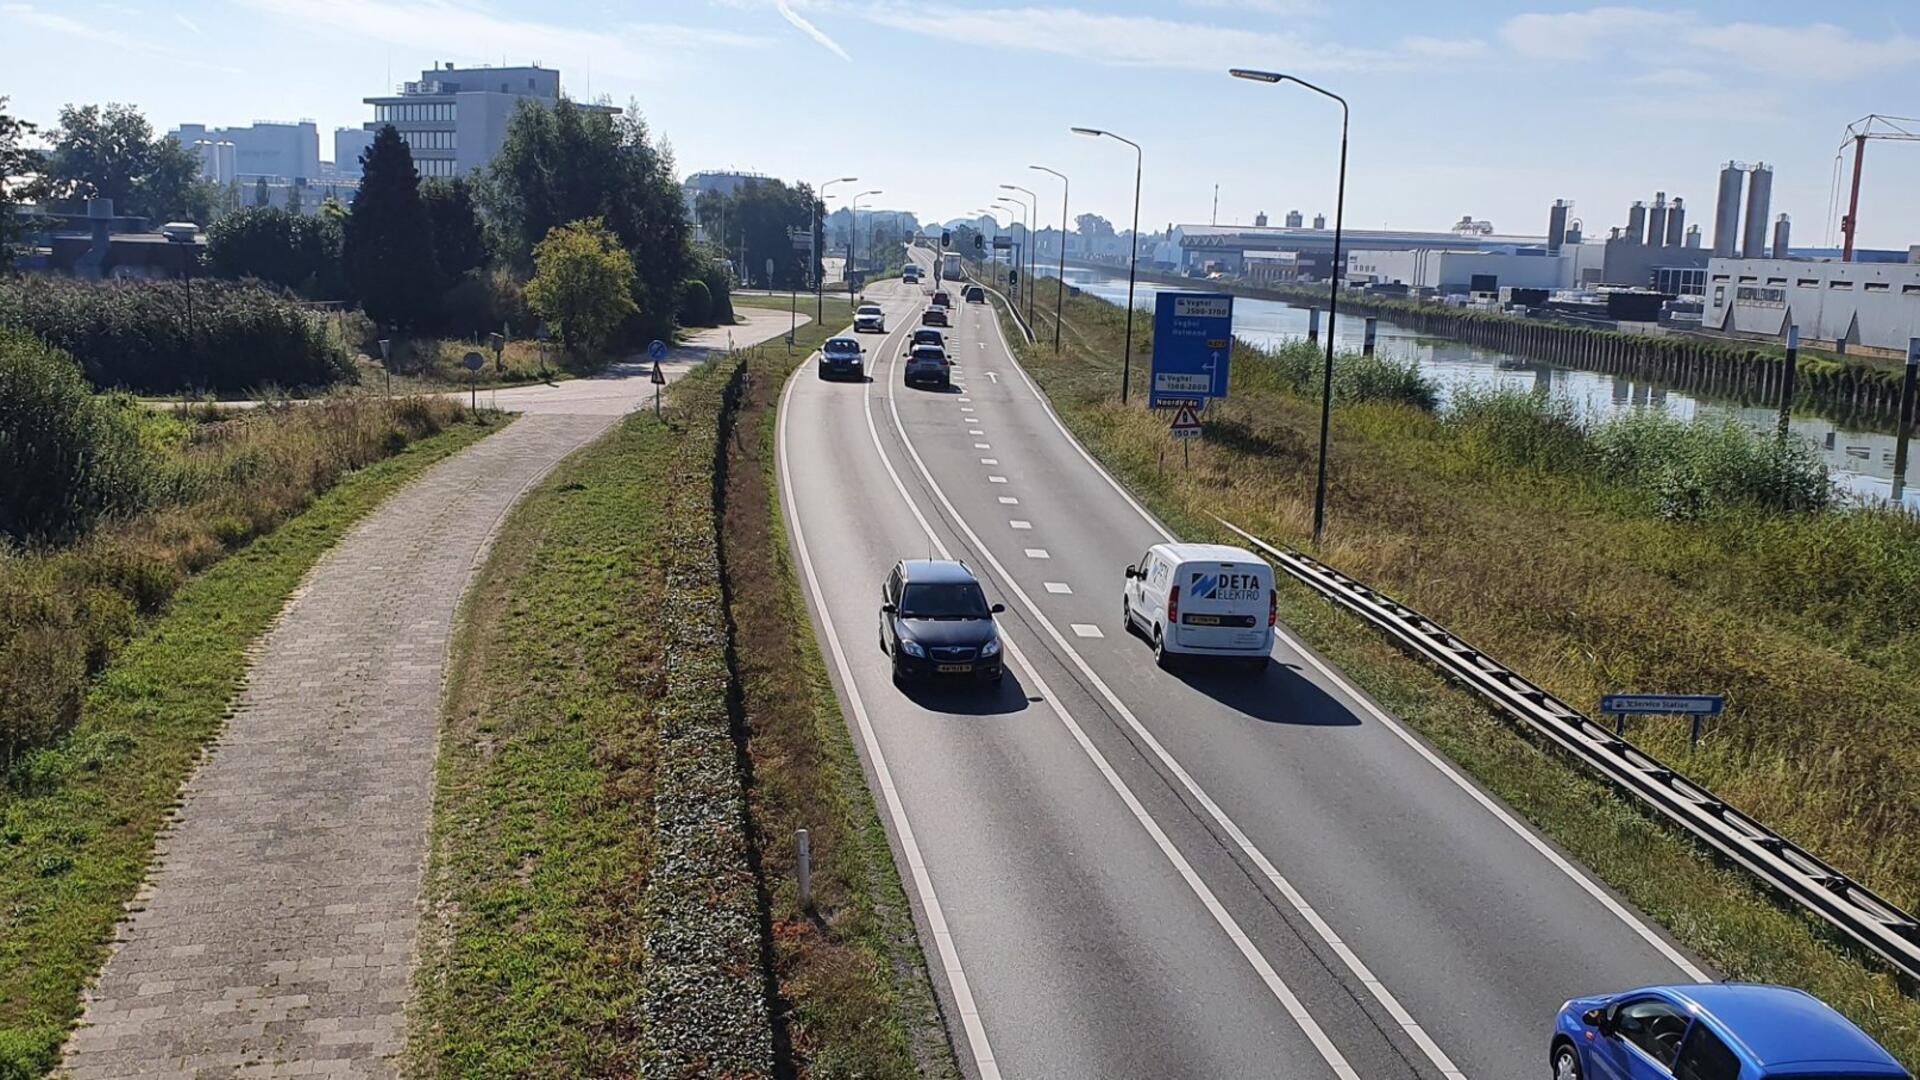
(1202, 600)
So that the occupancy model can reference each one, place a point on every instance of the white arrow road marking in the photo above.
(994, 377)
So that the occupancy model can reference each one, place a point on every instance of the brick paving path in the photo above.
(276, 933)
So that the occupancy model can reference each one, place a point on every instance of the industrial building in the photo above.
(348, 145)
(230, 154)
(1223, 248)
(455, 119)
(1854, 305)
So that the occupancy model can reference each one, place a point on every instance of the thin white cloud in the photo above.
(1123, 40)
(1675, 40)
(1293, 8)
(53, 22)
(801, 24)
(188, 23)
(455, 28)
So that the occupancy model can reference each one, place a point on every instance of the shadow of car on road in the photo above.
(1277, 693)
(959, 697)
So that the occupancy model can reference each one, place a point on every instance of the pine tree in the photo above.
(388, 248)
(260, 197)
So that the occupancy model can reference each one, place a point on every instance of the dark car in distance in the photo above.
(840, 358)
(935, 621)
(927, 335)
(976, 295)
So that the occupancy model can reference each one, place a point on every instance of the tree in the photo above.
(19, 165)
(566, 162)
(278, 246)
(583, 283)
(260, 196)
(1092, 226)
(388, 241)
(296, 199)
(112, 153)
(459, 240)
(758, 216)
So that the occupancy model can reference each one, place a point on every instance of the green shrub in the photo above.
(1299, 366)
(1688, 468)
(136, 335)
(720, 289)
(696, 303)
(67, 456)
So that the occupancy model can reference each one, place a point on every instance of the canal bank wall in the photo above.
(1734, 370)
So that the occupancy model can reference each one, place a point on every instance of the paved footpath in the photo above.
(276, 934)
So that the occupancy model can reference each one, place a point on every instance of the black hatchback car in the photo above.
(935, 621)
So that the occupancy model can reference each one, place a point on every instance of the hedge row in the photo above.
(137, 335)
(704, 1002)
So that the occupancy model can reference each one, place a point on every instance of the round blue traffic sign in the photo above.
(657, 350)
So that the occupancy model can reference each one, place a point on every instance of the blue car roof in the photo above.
(936, 571)
(1780, 1026)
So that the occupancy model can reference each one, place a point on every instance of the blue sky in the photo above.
(1490, 108)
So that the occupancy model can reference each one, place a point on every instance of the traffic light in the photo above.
(946, 238)
(979, 242)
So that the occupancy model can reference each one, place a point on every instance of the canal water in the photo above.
(1861, 460)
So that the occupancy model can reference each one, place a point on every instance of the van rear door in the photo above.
(1223, 605)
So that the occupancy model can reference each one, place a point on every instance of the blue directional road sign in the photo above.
(1664, 704)
(1192, 347)
(657, 350)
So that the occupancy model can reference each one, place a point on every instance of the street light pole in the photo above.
(1133, 261)
(1060, 281)
(1333, 291)
(815, 228)
(1033, 218)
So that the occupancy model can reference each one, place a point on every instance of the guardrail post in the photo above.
(1373, 325)
(1313, 325)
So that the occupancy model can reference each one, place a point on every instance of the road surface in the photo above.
(1118, 871)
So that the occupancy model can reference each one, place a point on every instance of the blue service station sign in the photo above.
(1192, 348)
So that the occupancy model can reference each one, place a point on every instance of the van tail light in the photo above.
(1273, 608)
(1173, 605)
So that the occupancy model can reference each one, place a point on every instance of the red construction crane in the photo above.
(1871, 126)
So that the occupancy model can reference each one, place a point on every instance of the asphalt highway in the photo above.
(1123, 872)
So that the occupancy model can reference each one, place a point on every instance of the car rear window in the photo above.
(841, 344)
(929, 352)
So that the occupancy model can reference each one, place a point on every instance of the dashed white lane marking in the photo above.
(1082, 629)
(1037, 553)
(975, 431)
(963, 400)
(982, 446)
(989, 461)
(996, 479)
(1059, 588)
(1018, 524)
(1008, 500)
(966, 408)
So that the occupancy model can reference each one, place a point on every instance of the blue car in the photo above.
(1713, 1031)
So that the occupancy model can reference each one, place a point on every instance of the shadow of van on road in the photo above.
(1277, 693)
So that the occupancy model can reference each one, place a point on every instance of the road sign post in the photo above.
(657, 351)
(1697, 707)
(1192, 348)
(474, 362)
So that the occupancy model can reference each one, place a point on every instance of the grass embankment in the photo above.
(598, 905)
(593, 909)
(430, 365)
(1649, 567)
(837, 316)
(850, 972)
(78, 816)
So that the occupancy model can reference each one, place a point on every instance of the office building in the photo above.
(455, 119)
(348, 145)
(288, 151)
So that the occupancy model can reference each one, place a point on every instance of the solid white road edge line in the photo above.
(976, 1033)
(1275, 984)
(1520, 829)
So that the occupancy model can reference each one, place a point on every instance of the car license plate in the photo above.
(1203, 620)
(956, 668)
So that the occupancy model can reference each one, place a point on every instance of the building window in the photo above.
(1838, 284)
(1721, 277)
(1776, 281)
(1875, 286)
(1809, 283)
(1748, 279)
(1910, 290)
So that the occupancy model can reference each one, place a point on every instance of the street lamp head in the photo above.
(844, 180)
(1257, 76)
(1088, 131)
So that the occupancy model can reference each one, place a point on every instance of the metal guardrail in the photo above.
(1866, 917)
